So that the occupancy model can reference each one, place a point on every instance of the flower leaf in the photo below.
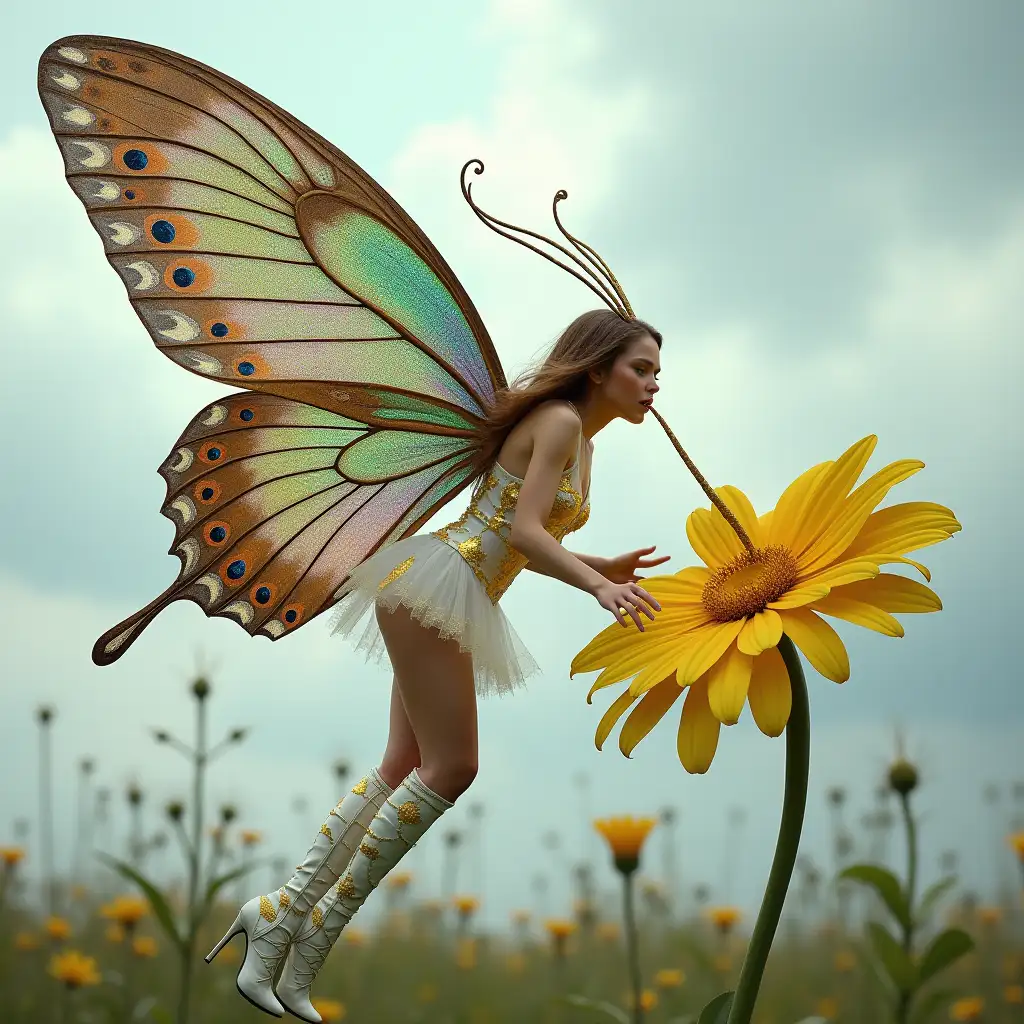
(893, 957)
(929, 1004)
(608, 1009)
(161, 909)
(946, 947)
(717, 1011)
(886, 884)
(932, 895)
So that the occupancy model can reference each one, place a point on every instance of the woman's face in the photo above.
(630, 385)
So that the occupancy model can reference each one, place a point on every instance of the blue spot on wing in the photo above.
(163, 231)
(183, 276)
(246, 369)
(135, 159)
(262, 595)
(219, 330)
(236, 570)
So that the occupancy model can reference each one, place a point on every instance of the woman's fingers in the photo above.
(647, 563)
(644, 596)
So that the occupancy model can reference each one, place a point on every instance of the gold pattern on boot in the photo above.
(347, 887)
(369, 851)
(360, 787)
(318, 917)
(267, 911)
(325, 831)
(409, 813)
(283, 899)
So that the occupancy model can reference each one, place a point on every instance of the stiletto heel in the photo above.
(236, 929)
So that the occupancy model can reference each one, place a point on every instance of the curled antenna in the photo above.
(600, 280)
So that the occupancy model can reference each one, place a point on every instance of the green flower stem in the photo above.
(632, 946)
(906, 997)
(798, 755)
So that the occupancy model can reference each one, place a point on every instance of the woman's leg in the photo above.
(402, 753)
(435, 681)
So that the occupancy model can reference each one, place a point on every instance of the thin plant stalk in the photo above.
(798, 754)
(194, 860)
(632, 946)
(907, 995)
(45, 718)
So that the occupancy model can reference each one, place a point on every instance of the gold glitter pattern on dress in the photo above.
(482, 534)
(399, 570)
(409, 813)
(267, 911)
(360, 787)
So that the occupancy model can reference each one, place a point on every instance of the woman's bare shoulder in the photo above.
(554, 415)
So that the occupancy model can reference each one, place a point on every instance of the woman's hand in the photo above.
(623, 568)
(623, 599)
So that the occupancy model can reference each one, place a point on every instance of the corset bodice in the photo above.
(481, 534)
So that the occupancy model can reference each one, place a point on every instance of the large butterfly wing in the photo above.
(274, 502)
(255, 252)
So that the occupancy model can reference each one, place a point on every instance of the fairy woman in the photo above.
(258, 254)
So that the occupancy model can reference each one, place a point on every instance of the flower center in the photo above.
(749, 583)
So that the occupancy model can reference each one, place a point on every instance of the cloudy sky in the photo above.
(822, 208)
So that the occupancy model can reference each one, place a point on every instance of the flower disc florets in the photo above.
(749, 582)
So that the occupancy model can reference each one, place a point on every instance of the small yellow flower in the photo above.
(465, 954)
(845, 961)
(1013, 995)
(250, 837)
(967, 1009)
(828, 1008)
(127, 911)
(329, 1009)
(399, 880)
(724, 918)
(560, 929)
(74, 969)
(989, 917)
(25, 942)
(11, 855)
(114, 933)
(354, 937)
(819, 552)
(1016, 841)
(144, 946)
(625, 835)
(608, 931)
(57, 928)
(466, 905)
(427, 993)
(669, 977)
(648, 999)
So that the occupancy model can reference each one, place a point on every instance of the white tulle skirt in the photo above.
(441, 591)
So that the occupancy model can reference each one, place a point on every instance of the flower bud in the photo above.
(903, 777)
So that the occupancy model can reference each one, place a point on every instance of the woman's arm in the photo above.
(556, 437)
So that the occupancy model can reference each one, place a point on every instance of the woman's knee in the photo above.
(454, 775)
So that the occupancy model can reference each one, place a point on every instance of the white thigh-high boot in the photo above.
(271, 922)
(406, 814)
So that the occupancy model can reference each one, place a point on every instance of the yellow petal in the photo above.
(697, 739)
(713, 538)
(800, 596)
(829, 493)
(819, 642)
(900, 560)
(648, 713)
(770, 695)
(860, 613)
(786, 516)
(739, 504)
(654, 672)
(899, 529)
(759, 632)
(841, 573)
(687, 585)
(894, 593)
(853, 514)
(727, 686)
(615, 642)
(639, 657)
(705, 646)
(611, 716)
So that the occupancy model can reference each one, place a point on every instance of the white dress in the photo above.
(453, 578)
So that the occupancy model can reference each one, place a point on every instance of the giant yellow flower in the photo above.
(819, 551)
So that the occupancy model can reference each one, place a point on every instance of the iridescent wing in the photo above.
(258, 254)
(274, 501)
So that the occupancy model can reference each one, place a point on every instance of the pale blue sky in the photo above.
(822, 208)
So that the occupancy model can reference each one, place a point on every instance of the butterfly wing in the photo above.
(274, 501)
(255, 252)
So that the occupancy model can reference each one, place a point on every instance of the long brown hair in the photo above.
(593, 341)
